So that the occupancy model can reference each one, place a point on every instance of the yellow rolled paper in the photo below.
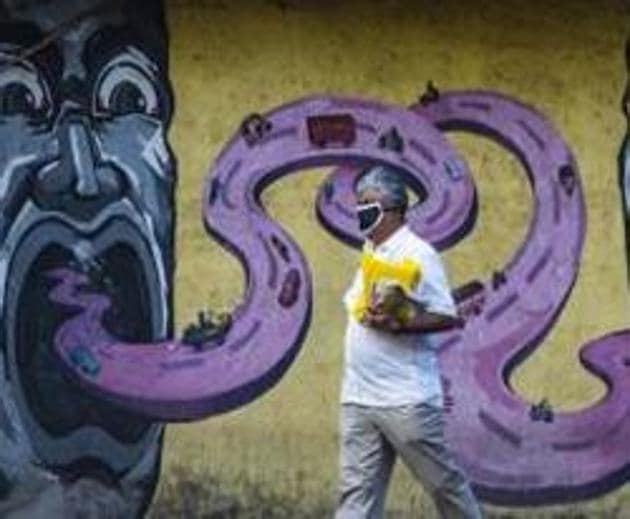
(375, 271)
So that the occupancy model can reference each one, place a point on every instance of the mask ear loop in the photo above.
(379, 218)
(369, 205)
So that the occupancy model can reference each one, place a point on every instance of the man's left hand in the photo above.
(381, 321)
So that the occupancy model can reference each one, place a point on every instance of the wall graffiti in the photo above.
(90, 361)
(269, 326)
(515, 452)
(86, 182)
(553, 457)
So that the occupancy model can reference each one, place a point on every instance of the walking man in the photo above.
(391, 398)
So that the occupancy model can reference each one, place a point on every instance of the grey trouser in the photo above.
(371, 437)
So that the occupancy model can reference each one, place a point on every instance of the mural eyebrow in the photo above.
(22, 37)
(111, 41)
(21, 34)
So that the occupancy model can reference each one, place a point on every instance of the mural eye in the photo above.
(22, 93)
(16, 99)
(127, 98)
(124, 90)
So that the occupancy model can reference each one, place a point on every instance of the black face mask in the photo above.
(370, 215)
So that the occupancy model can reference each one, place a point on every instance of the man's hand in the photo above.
(422, 322)
(376, 318)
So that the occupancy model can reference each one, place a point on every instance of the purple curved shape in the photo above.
(512, 457)
(446, 210)
(172, 381)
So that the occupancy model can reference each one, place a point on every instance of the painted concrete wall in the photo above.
(229, 59)
(91, 162)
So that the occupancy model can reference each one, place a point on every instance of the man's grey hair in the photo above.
(388, 182)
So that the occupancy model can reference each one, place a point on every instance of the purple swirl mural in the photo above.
(516, 453)
(172, 380)
(90, 366)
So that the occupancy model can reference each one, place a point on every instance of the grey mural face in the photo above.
(86, 181)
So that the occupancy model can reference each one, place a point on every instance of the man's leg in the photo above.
(417, 434)
(366, 461)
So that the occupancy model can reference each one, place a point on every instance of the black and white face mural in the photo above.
(86, 182)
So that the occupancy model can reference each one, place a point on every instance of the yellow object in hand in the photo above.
(384, 283)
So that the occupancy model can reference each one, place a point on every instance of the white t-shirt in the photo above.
(385, 369)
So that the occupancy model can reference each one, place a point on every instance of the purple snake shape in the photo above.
(514, 453)
(511, 454)
(172, 380)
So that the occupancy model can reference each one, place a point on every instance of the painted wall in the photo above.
(85, 119)
(87, 186)
(565, 60)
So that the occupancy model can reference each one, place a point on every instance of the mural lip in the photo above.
(31, 217)
(37, 233)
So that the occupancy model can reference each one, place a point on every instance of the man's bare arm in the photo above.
(421, 322)
(426, 322)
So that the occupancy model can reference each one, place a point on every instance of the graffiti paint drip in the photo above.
(517, 453)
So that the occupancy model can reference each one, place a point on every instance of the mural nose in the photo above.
(78, 160)
(79, 182)
(82, 170)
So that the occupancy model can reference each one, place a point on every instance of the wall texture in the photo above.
(233, 58)
(111, 116)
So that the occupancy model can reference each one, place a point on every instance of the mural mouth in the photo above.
(119, 262)
(117, 273)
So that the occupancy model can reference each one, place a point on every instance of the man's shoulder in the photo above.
(417, 246)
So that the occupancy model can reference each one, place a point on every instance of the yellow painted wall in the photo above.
(230, 58)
